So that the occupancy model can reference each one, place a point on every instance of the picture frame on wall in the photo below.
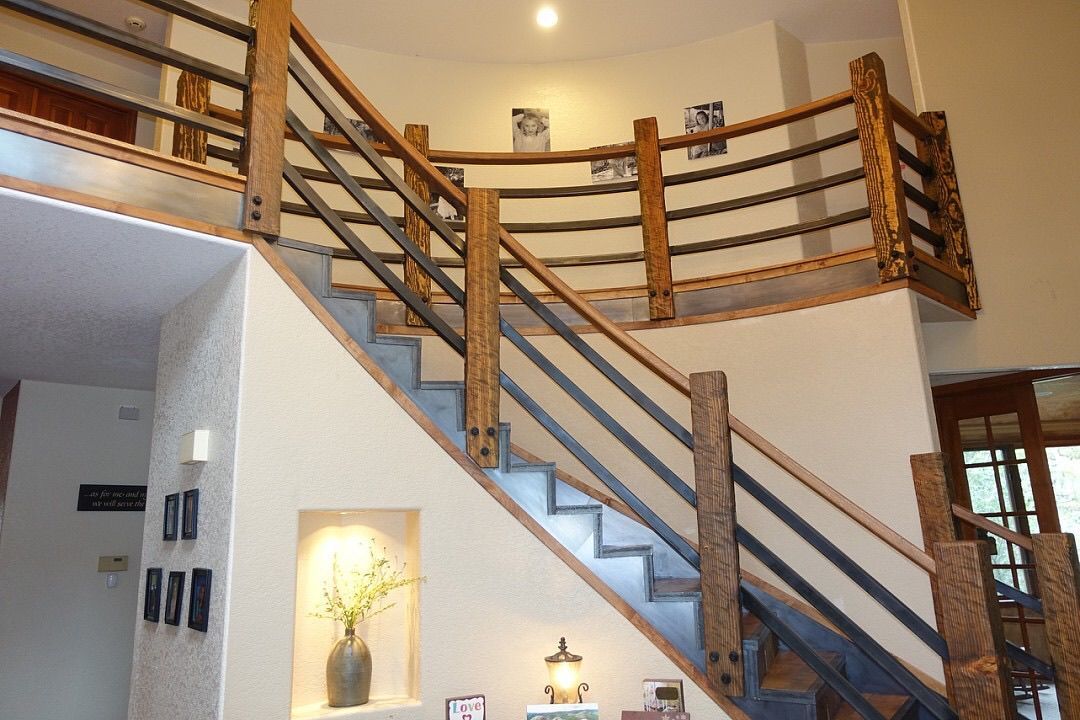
(172, 516)
(663, 695)
(199, 602)
(699, 118)
(152, 596)
(174, 598)
(190, 526)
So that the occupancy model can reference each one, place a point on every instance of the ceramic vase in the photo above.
(348, 671)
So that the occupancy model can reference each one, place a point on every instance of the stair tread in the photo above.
(789, 673)
(887, 705)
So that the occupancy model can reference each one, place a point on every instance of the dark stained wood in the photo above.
(943, 187)
(884, 185)
(972, 628)
(1059, 581)
(262, 158)
(721, 609)
(7, 440)
(654, 229)
(415, 226)
(192, 93)
(67, 107)
(482, 327)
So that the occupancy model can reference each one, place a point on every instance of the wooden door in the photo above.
(66, 108)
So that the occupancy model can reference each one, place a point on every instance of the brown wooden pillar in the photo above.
(971, 622)
(416, 228)
(192, 93)
(948, 221)
(654, 229)
(1059, 581)
(720, 608)
(881, 160)
(482, 326)
(262, 157)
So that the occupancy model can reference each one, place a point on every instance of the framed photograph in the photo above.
(174, 598)
(663, 695)
(190, 527)
(152, 598)
(469, 707)
(362, 127)
(532, 129)
(440, 204)
(172, 514)
(199, 602)
(699, 118)
(566, 711)
(650, 715)
(613, 169)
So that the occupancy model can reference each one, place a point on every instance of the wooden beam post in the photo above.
(881, 160)
(720, 607)
(416, 228)
(262, 156)
(654, 229)
(929, 473)
(192, 93)
(973, 631)
(482, 326)
(1059, 580)
(948, 221)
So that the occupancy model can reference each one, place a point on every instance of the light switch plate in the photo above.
(112, 563)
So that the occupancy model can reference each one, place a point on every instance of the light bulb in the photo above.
(547, 17)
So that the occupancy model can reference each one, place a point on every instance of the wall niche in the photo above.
(393, 636)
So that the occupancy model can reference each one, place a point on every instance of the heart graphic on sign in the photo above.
(466, 716)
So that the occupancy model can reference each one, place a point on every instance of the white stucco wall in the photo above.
(65, 638)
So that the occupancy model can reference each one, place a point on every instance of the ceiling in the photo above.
(82, 292)
(505, 31)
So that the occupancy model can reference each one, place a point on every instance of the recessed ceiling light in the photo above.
(547, 17)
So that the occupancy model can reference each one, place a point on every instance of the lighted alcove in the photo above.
(393, 636)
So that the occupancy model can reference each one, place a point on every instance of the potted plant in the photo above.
(351, 596)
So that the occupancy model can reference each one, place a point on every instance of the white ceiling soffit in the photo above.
(505, 31)
(82, 292)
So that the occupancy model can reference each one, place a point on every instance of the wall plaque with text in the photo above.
(112, 498)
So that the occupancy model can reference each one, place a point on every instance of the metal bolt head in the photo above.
(666, 293)
(485, 452)
(881, 264)
(733, 656)
(491, 432)
(256, 215)
(714, 656)
(474, 431)
(652, 293)
(257, 199)
(725, 678)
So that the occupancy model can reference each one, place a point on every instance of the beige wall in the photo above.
(1005, 73)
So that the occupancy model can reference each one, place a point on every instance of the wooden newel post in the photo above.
(654, 229)
(192, 93)
(262, 156)
(881, 160)
(973, 631)
(948, 221)
(1059, 580)
(482, 326)
(720, 608)
(416, 228)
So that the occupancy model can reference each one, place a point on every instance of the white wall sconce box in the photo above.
(195, 447)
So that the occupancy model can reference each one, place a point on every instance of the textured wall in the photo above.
(177, 671)
(65, 639)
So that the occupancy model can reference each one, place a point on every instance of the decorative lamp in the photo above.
(564, 670)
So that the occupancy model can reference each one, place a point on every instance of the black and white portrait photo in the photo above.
(700, 118)
(613, 169)
(440, 204)
(532, 129)
(364, 129)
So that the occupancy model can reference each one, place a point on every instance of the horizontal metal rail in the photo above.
(202, 16)
(921, 231)
(912, 161)
(119, 96)
(126, 41)
(1019, 596)
(920, 198)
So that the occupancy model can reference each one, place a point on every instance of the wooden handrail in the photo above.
(663, 370)
(908, 120)
(976, 520)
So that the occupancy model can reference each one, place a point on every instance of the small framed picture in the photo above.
(468, 707)
(190, 527)
(172, 513)
(152, 598)
(199, 602)
(174, 599)
(663, 695)
(569, 711)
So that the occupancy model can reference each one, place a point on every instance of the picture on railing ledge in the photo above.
(578, 711)
(613, 169)
(699, 118)
(440, 204)
(532, 129)
(362, 127)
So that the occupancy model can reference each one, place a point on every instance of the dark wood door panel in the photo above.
(66, 108)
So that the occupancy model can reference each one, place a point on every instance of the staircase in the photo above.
(619, 550)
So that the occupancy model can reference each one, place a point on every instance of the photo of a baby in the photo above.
(532, 129)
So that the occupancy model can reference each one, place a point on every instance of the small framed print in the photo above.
(199, 602)
(174, 599)
(663, 695)
(172, 514)
(190, 527)
(468, 707)
(152, 598)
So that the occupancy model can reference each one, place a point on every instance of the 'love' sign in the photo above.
(470, 707)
